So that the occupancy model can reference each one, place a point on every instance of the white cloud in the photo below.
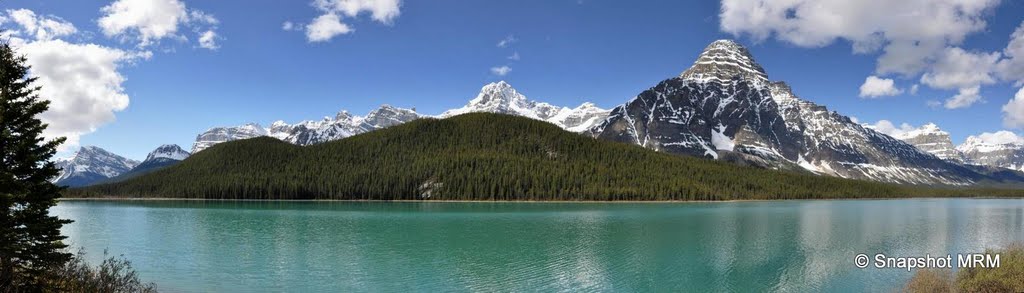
(966, 71)
(957, 68)
(150, 21)
(964, 98)
(198, 16)
(501, 71)
(329, 24)
(874, 87)
(1013, 111)
(325, 27)
(510, 39)
(287, 26)
(913, 36)
(208, 40)
(514, 56)
(1012, 68)
(913, 89)
(383, 11)
(888, 128)
(909, 31)
(82, 82)
(997, 138)
(39, 27)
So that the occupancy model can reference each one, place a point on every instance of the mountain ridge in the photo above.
(497, 97)
(479, 156)
(724, 103)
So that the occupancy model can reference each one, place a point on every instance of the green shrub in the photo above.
(112, 275)
(1008, 277)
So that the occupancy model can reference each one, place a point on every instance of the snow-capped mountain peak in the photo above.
(168, 151)
(500, 97)
(724, 107)
(92, 163)
(342, 125)
(724, 60)
(1000, 149)
(927, 129)
(929, 138)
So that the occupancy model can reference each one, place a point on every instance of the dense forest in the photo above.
(481, 157)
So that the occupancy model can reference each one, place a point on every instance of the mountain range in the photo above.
(498, 97)
(723, 107)
(91, 165)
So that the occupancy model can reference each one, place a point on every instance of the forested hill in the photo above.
(478, 157)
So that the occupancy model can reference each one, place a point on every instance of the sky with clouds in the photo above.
(130, 75)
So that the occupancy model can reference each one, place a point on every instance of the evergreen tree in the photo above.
(30, 240)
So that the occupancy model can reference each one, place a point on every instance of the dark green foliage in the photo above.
(476, 157)
(30, 240)
(113, 275)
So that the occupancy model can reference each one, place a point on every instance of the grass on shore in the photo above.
(1008, 277)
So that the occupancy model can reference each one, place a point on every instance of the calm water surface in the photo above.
(197, 246)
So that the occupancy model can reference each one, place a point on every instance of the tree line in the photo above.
(481, 156)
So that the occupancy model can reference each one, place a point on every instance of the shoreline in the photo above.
(510, 201)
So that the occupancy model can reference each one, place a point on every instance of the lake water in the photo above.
(252, 246)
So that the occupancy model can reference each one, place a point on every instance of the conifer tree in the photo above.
(30, 239)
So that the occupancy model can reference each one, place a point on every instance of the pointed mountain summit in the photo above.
(500, 97)
(168, 151)
(91, 164)
(932, 139)
(724, 107)
(1007, 152)
(724, 60)
(162, 157)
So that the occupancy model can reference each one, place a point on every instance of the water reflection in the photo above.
(250, 246)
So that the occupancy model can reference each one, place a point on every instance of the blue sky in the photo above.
(435, 55)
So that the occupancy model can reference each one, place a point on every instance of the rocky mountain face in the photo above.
(167, 152)
(1009, 154)
(930, 138)
(498, 97)
(224, 134)
(725, 107)
(162, 157)
(91, 164)
(501, 98)
(340, 126)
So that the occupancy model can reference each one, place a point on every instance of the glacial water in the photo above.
(789, 246)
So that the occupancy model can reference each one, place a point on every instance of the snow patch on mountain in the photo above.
(724, 103)
(500, 97)
(1003, 149)
(929, 138)
(90, 164)
(168, 151)
(310, 132)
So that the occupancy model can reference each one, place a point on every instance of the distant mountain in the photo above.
(90, 165)
(501, 98)
(1008, 154)
(171, 152)
(479, 156)
(162, 157)
(498, 97)
(340, 126)
(224, 134)
(725, 107)
(930, 138)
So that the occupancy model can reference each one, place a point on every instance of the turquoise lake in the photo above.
(787, 246)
